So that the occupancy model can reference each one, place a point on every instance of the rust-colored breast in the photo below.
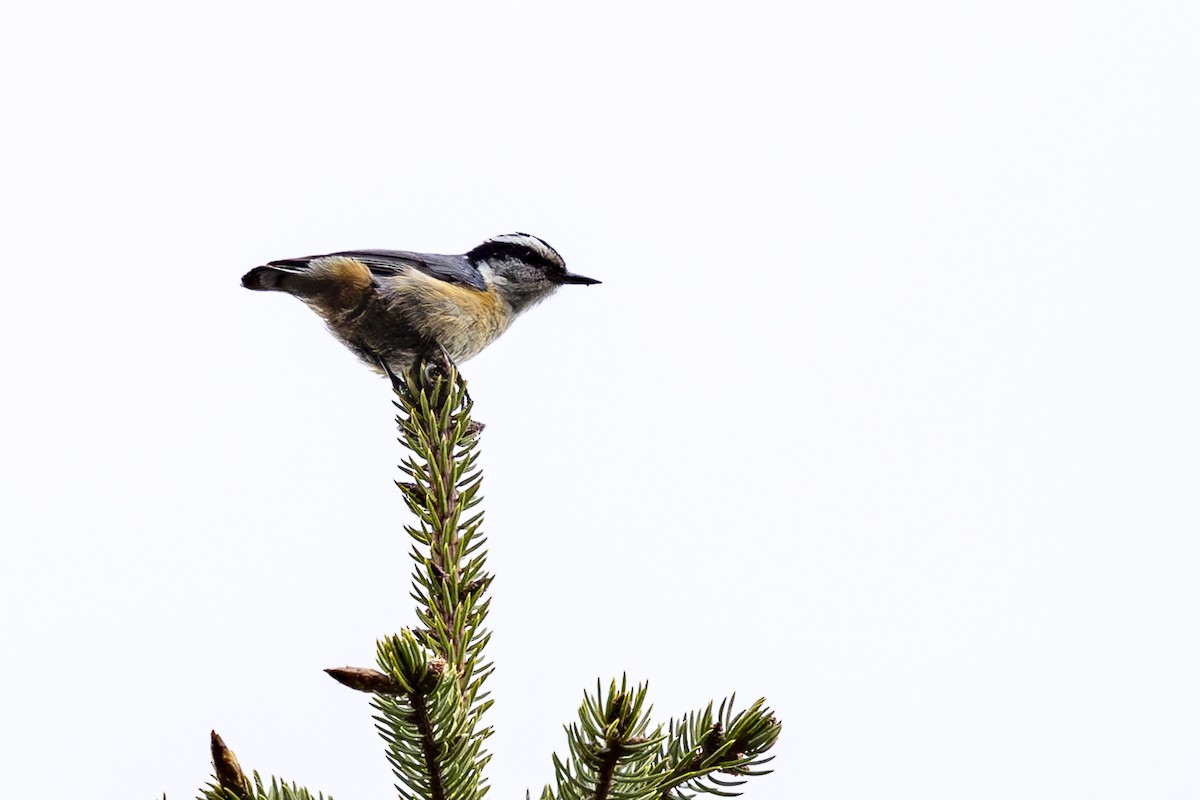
(462, 319)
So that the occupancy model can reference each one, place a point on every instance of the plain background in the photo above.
(886, 409)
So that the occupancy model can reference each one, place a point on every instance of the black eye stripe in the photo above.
(495, 249)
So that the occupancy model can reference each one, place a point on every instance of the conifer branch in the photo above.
(449, 580)
(428, 690)
(231, 783)
(703, 744)
(429, 748)
(613, 753)
(432, 745)
(433, 724)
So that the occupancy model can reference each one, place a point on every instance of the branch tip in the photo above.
(365, 680)
(227, 769)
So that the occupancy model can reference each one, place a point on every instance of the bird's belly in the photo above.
(464, 334)
(419, 311)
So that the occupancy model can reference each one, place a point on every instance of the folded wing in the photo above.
(455, 269)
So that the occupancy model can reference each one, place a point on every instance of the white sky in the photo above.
(886, 409)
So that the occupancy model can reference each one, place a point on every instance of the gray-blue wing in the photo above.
(455, 269)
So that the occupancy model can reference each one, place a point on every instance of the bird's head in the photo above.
(523, 268)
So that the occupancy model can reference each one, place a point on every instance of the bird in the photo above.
(394, 307)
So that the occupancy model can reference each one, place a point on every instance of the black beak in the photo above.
(568, 277)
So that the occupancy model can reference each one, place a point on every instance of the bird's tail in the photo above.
(267, 279)
(331, 284)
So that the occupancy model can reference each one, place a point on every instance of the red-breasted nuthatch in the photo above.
(394, 306)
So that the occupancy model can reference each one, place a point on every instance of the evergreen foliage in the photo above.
(428, 690)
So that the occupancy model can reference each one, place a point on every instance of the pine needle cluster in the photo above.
(428, 690)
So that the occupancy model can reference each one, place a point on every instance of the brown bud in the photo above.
(228, 771)
(365, 680)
